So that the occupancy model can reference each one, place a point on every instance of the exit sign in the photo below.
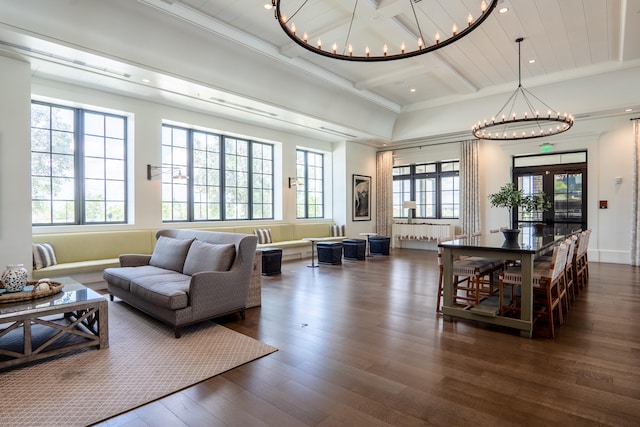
(546, 148)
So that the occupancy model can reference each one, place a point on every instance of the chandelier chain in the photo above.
(353, 16)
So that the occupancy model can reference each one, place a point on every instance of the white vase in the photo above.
(15, 278)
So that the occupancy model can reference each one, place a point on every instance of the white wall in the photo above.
(360, 160)
(15, 163)
(146, 119)
(609, 146)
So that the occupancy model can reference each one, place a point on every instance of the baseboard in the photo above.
(612, 257)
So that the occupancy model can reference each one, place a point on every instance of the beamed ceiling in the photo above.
(230, 58)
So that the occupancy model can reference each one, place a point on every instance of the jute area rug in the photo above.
(144, 362)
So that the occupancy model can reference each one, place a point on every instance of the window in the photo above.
(310, 196)
(435, 187)
(230, 178)
(78, 166)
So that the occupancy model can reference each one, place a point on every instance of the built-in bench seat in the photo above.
(83, 256)
(286, 236)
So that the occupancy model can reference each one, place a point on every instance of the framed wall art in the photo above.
(361, 198)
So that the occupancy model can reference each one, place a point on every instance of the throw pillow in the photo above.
(43, 255)
(170, 253)
(337, 230)
(264, 235)
(203, 256)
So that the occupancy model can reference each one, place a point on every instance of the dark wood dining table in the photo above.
(493, 245)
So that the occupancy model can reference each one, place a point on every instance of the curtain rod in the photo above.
(635, 118)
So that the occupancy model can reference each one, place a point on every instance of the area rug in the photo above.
(144, 362)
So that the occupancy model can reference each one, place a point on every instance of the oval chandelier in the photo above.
(407, 24)
(535, 122)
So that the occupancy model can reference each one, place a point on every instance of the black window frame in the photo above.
(413, 176)
(80, 157)
(310, 181)
(223, 170)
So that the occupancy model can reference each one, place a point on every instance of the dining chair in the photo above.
(569, 270)
(473, 277)
(548, 289)
(581, 260)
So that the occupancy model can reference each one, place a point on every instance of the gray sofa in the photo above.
(191, 276)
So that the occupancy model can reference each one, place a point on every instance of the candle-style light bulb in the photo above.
(483, 6)
(402, 47)
(366, 51)
(437, 38)
(319, 44)
(454, 29)
(420, 43)
(384, 50)
(293, 28)
(350, 50)
(334, 48)
(469, 19)
(305, 37)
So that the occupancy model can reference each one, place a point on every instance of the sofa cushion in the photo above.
(43, 255)
(170, 253)
(203, 256)
(167, 290)
(264, 235)
(121, 277)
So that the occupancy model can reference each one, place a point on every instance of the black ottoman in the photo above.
(354, 248)
(271, 261)
(379, 245)
(329, 252)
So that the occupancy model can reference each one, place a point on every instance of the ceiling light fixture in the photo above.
(532, 124)
(416, 26)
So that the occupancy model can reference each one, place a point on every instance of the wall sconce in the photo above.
(295, 182)
(410, 205)
(155, 172)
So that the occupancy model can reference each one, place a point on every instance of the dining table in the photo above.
(525, 249)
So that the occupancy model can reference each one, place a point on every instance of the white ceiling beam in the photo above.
(217, 27)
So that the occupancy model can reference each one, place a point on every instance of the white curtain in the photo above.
(469, 188)
(635, 202)
(384, 193)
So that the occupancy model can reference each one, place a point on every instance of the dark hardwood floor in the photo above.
(360, 344)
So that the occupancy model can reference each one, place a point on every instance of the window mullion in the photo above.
(79, 167)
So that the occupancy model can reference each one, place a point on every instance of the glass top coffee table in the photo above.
(72, 319)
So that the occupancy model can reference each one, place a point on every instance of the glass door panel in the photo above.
(564, 186)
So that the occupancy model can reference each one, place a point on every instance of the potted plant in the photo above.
(510, 198)
(537, 203)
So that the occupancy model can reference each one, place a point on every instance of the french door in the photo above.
(565, 187)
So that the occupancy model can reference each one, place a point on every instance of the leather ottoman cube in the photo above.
(329, 253)
(354, 249)
(379, 245)
(271, 261)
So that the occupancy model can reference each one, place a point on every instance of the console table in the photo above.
(74, 318)
(402, 232)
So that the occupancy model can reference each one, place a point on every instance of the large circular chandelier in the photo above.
(304, 21)
(536, 119)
